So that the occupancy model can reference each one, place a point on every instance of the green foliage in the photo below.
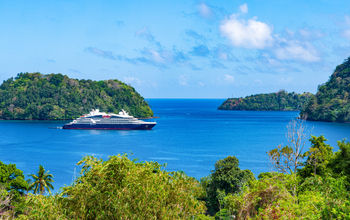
(223, 214)
(318, 157)
(272, 198)
(332, 100)
(261, 197)
(43, 207)
(226, 178)
(280, 101)
(12, 190)
(320, 190)
(340, 164)
(6, 206)
(55, 96)
(41, 181)
(267, 175)
(327, 194)
(12, 180)
(122, 189)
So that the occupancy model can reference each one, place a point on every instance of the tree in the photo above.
(332, 100)
(12, 180)
(13, 187)
(278, 101)
(226, 178)
(41, 181)
(270, 197)
(6, 206)
(56, 96)
(262, 199)
(340, 164)
(120, 188)
(288, 159)
(318, 156)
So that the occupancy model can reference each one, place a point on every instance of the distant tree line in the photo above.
(279, 101)
(331, 102)
(57, 97)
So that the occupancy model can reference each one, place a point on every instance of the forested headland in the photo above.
(332, 100)
(279, 101)
(312, 184)
(35, 96)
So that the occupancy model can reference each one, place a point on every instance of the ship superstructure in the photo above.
(101, 120)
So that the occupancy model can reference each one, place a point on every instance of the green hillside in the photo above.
(279, 101)
(56, 97)
(332, 101)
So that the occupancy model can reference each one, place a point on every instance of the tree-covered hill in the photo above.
(279, 101)
(332, 100)
(56, 96)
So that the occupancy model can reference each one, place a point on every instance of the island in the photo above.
(279, 101)
(332, 101)
(36, 96)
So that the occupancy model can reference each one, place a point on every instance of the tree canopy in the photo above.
(332, 100)
(319, 190)
(12, 179)
(56, 97)
(279, 101)
(226, 178)
(41, 181)
(120, 188)
(13, 187)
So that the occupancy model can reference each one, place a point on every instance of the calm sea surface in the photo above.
(191, 135)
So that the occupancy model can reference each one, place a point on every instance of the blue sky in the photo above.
(179, 49)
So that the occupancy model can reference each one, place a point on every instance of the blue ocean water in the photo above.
(191, 135)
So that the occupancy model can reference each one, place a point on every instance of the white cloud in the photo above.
(132, 80)
(183, 80)
(307, 34)
(247, 33)
(156, 56)
(244, 8)
(295, 50)
(346, 32)
(254, 34)
(258, 81)
(229, 78)
(146, 34)
(204, 10)
(268, 59)
(201, 84)
(347, 19)
(223, 56)
(285, 80)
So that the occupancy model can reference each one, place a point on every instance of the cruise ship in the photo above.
(101, 120)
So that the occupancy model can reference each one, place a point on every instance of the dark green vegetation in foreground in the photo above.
(56, 97)
(279, 101)
(120, 188)
(332, 100)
